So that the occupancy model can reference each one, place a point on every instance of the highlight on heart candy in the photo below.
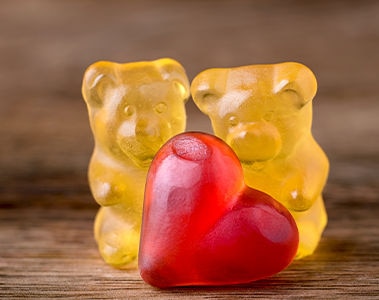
(202, 225)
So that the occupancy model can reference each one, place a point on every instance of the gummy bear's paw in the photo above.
(120, 249)
(118, 240)
(309, 239)
(311, 224)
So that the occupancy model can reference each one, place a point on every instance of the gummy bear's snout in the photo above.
(255, 141)
(141, 140)
(147, 129)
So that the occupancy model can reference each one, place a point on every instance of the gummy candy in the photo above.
(134, 108)
(264, 112)
(202, 225)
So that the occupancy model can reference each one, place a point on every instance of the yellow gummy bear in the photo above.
(134, 108)
(264, 112)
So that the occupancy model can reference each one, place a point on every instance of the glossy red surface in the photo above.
(203, 226)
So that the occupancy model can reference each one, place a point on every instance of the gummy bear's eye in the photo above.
(128, 110)
(233, 121)
(160, 108)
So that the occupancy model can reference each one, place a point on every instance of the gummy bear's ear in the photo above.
(173, 71)
(96, 78)
(208, 87)
(295, 80)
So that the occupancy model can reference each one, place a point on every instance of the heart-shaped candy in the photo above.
(203, 226)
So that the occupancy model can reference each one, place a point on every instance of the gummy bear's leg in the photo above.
(311, 224)
(117, 239)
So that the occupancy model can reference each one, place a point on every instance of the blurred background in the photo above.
(45, 46)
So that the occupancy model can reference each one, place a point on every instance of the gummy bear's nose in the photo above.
(146, 128)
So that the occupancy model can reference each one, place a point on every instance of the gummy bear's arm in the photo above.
(309, 176)
(111, 183)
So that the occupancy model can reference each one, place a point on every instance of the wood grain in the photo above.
(48, 251)
(47, 248)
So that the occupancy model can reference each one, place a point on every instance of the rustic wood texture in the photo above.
(46, 210)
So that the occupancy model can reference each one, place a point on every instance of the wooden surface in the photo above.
(46, 211)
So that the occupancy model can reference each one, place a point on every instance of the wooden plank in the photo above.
(49, 252)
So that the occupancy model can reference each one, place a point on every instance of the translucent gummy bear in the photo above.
(134, 108)
(264, 112)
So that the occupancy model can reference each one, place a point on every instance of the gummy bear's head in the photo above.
(261, 111)
(134, 108)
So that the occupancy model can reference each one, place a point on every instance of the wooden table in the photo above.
(46, 210)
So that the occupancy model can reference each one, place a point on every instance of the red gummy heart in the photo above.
(203, 226)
